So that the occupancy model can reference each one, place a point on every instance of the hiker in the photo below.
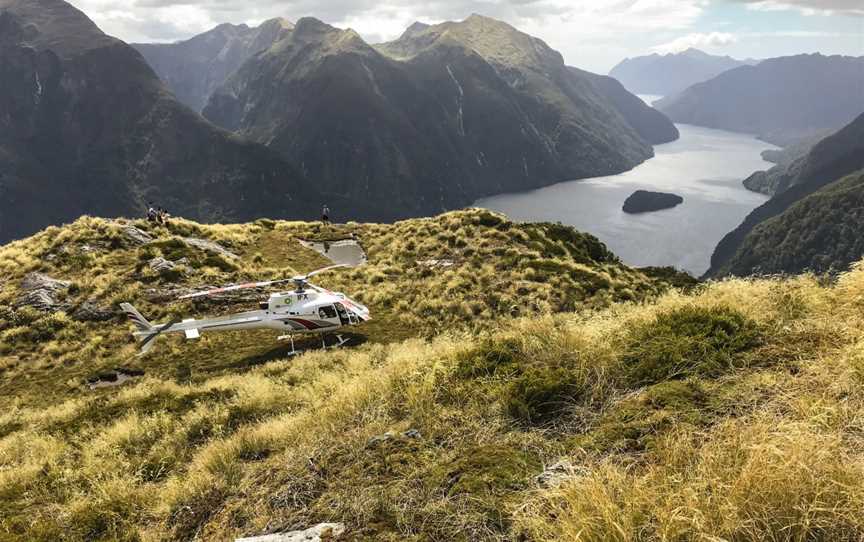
(325, 214)
(163, 216)
(152, 215)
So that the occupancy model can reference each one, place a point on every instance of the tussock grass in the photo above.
(743, 421)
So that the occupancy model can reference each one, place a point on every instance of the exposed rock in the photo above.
(38, 281)
(389, 436)
(210, 246)
(643, 201)
(558, 473)
(161, 265)
(319, 533)
(436, 263)
(136, 236)
(40, 291)
(89, 311)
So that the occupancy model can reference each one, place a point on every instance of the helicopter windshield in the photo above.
(343, 314)
(327, 311)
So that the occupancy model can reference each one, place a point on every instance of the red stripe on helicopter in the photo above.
(306, 323)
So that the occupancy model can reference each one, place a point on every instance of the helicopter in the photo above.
(308, 309)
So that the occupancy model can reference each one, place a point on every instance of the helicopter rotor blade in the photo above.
(319, 271)
(234, 288)
(264, 284)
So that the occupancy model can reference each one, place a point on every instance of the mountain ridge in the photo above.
(781, 100)
(87, 127)
(194, 68)
(550, 124)
(668, 74)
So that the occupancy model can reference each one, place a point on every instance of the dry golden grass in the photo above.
(768, 445)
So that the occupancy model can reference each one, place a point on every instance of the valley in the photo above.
(704, 166)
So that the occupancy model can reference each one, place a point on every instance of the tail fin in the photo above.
(145, 332)
(135, 317)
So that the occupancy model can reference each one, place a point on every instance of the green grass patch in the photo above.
(540, 395)
(689, 341)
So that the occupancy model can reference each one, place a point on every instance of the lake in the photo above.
(704, 166)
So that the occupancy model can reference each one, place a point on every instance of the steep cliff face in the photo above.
(829, 161)
(652, 125)
(86, 127)
(444, 115)
(194, 68)
(781, 100)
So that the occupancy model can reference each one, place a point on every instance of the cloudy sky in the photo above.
(592, 34)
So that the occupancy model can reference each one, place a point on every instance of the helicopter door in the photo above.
(343, 314)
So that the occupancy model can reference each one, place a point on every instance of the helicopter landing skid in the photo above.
(340, 342)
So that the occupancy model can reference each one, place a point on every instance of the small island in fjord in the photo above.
(643, 201)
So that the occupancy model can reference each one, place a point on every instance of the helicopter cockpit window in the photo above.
(327, 311)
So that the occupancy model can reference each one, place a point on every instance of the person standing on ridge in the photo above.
(325, 214)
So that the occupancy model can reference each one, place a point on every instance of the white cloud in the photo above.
(809, 7)
(697, 40)
(559, 21)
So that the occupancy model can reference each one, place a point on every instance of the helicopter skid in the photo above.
(340, 342)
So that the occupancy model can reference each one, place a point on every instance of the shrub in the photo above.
(689, 341)
(485, 470)
(540, 395)
(489, 358)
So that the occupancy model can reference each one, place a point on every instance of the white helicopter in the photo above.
(306, 309)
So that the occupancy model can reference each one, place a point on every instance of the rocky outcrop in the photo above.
(323, 532)
(41, 292)
(643, 201)
(136, 237)
(210, 246)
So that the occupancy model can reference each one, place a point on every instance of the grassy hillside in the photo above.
(732, 412)
(499, 269)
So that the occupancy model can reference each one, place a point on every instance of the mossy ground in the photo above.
(763, 445)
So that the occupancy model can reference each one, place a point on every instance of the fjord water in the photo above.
(704, 166)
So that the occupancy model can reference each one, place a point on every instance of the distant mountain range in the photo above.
(815, 220)
(435, 119)
(86, 127)
(194, 68)
(432, 121)
(668, 74)
(782, 100)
